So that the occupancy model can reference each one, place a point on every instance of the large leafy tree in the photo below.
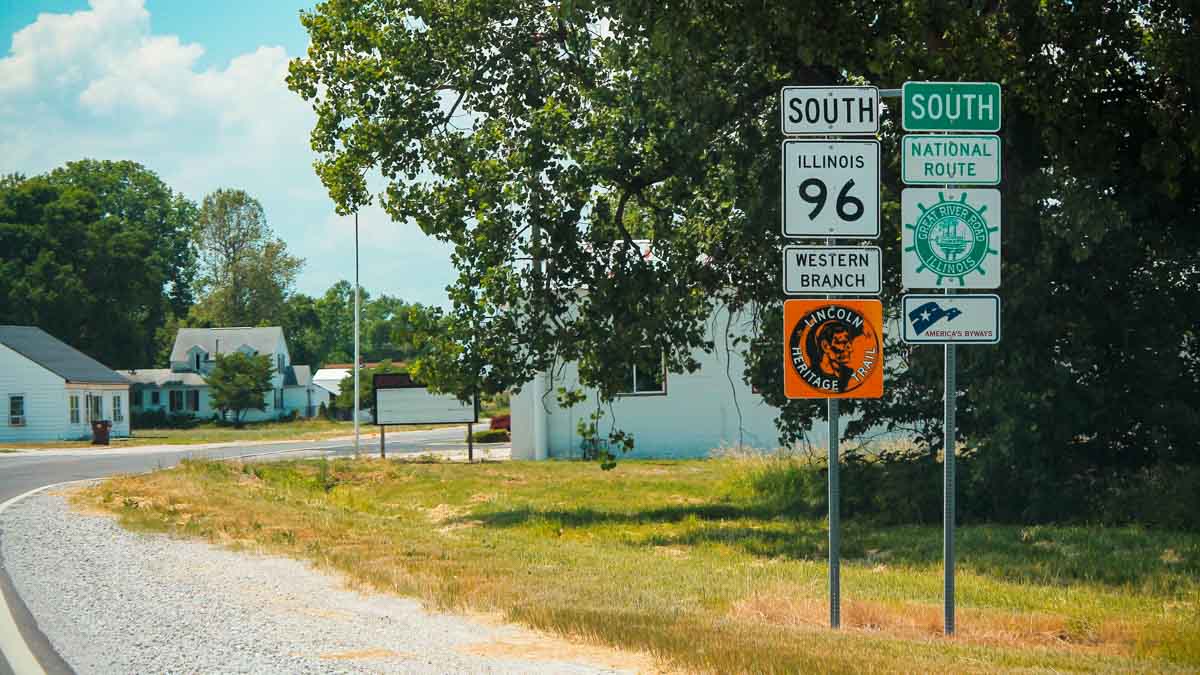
(246, 271)
(99, 254)
(239, 382)
(560, 132)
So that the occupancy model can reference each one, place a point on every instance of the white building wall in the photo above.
(45, 402)
(700, 412)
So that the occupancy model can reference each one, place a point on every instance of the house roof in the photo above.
(330, 379)
(225, 340)
(161, 377)
(57, 356)
(297, 376)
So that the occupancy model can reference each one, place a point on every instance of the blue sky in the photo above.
(194, 91)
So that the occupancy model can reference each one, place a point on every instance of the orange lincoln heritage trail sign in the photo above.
(833, 348)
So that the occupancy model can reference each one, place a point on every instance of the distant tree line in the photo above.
(108, 258)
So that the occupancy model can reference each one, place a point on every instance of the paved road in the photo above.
(22, 472)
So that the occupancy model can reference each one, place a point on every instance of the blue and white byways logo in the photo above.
(928, 314)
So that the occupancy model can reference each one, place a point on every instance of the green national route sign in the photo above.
(951, 106)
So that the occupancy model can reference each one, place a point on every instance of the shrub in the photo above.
(491, 436)
(161, 419)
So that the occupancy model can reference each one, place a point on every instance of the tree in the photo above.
(97, 253)
(558, 132)
(366, 386)
(246, 272)
(238, 382)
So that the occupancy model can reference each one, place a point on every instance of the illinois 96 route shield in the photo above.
(832, 349)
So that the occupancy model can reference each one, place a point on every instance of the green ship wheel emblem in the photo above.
(951, 238)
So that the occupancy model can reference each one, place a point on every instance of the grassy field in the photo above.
(207, 432)
(684, 560)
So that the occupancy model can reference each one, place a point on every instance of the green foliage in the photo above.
(159, 418)
(246, 272)
(491, 436)
(98, 254)
(321, 330)
(238, 382)
(518, 131)
(900, 489)
(366, 392)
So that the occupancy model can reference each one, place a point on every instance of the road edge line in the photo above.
(13, 648)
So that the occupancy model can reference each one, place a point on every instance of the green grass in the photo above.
(686, 561)
(208, 432)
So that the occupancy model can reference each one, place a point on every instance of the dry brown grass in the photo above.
(665, 563)
(912, 621)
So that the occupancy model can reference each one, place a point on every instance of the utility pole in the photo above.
(356, 356)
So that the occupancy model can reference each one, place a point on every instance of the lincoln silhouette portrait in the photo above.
(834, 343)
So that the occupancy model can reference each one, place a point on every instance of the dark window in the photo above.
(197, 362)
(193, 400)
(16, 411)
(176, 400)
(646, 375)
(155, 398)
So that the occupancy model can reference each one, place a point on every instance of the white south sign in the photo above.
(829, 111)
(832, 270)
(831, 189)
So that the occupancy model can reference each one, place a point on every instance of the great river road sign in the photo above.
(950, 238)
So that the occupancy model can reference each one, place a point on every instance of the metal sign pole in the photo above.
(835, 520)
(835, 577)
(948, 489)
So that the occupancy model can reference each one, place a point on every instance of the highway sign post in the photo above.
(831, 189)
(951, 238)
(950, 319)
(951, 106)
(961, 159)
(830, 111)
(832, 270)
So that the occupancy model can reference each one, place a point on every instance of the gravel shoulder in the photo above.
(113, 601)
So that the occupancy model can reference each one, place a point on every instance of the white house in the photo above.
(668, 414)
(51, 391)
(183, 388)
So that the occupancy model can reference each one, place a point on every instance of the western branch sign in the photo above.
(832, 270)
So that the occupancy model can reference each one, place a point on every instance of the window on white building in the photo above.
(118, 415)
(16, 410)
(645, 376)
(74, 410)
(96, 407)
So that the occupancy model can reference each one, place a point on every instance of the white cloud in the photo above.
(99, 83)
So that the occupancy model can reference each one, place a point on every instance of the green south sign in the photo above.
(951, 106)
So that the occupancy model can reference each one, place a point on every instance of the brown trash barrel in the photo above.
(100, 430)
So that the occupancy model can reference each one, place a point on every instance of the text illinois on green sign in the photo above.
(951, 106)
